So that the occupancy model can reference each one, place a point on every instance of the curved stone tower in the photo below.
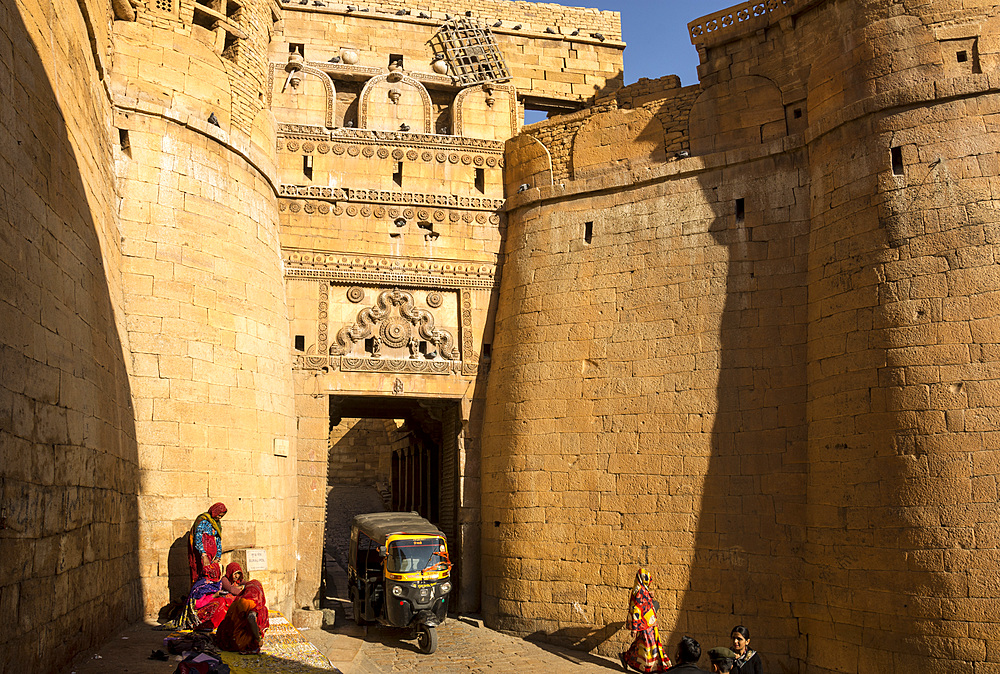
(763, 371)
(903, 356)
(204, 292)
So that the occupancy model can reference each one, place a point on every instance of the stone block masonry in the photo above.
(69, 466)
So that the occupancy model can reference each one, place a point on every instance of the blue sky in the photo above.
(656, 34)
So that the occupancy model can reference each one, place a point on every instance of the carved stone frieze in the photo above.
(391, 213)
(389, 197)
(387, 271)
(352, 364)
(392, 139)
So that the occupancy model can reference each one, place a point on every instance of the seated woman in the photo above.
(205, 544)
(243, 628)
(211, 608)
(208, 601)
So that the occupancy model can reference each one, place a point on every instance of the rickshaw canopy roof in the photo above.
(379, 526)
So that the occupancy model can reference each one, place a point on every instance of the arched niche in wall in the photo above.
(389, 101)
(741, 112)
(617, 139)
(487, 111)
(525, 163)
(312, 102)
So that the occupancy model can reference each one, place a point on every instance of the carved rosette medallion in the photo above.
(434, 299)
(355, 294)
(395, 332)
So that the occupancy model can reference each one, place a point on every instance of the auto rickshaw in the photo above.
(399, 573)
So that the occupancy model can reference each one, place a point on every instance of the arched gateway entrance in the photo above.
(388, 453)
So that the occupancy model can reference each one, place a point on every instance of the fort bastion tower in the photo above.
(755, 348)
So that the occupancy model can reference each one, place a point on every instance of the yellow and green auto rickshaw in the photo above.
(399, 573)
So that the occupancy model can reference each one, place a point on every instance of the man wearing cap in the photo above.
(722, 659)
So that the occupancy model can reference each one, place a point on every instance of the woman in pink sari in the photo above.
(211, 609)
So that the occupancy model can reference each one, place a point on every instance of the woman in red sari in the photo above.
(646, 653)
(205, 544)
(243, 628)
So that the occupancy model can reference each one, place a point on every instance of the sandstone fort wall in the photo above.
(69, 469)
(204, 299)
(744, 333)
(770, 362)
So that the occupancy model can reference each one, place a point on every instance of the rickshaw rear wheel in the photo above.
(427, 639)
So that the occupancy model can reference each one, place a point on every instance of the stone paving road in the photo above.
(465, 646)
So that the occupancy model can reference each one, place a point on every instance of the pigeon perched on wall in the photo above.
(597, 36)
(335, 59)
(549, 31)
(404, 127)
(212, 119)
(575, 32)
(498, 24)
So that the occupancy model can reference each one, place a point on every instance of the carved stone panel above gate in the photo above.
(415, 325)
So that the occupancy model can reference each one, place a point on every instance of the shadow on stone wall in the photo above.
(179, 575)
(69, 475)
(747, 560)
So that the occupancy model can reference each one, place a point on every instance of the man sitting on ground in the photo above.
(688, 653)
(722, 660)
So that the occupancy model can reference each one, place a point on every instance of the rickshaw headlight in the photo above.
(397, 590)
(445, 588)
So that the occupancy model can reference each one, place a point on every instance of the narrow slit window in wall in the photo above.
(396, 58)
(487, 351)
(300, 342)
(741, 211)
(397, 177)
(124, 142)
(897, 160)
(588, 232)
(297, 48)
(307, 166)
(481, 180)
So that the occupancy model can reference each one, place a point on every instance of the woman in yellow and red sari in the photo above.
(242, 630)
(646, 652)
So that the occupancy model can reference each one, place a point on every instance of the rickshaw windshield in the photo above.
(407, 555)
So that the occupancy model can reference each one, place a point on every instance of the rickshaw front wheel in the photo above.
(427, 639)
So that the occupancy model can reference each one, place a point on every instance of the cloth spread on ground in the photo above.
(283, 650)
